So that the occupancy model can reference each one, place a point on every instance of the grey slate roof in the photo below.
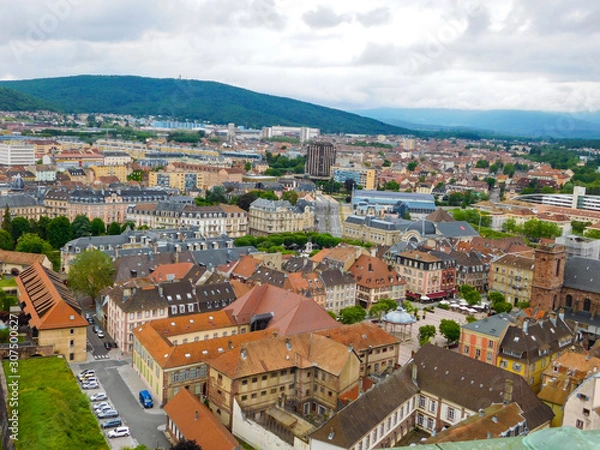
(335, 277)
(582, 274)
(17, 200)
(491, 326)
(353, 422)
(456, 229)
(475, 384)
(298, 264)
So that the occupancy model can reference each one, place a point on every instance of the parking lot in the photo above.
(121, 385)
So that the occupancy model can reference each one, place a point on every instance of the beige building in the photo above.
(362, 176)
(211, 221)
(269, 217)
(53, 314)
(308, 371)
(512, 275)
(582, 405)
(119, 171)
(185, 181)
(375, 280)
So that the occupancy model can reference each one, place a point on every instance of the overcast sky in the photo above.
(527, 54)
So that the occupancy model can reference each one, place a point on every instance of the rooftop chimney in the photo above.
(508, 391)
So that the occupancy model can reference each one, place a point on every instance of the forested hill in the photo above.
(191, 99)
(12, 100)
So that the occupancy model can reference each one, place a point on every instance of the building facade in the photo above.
(269, 217)
(320, 157)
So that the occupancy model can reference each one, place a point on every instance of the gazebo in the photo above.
(400, 318)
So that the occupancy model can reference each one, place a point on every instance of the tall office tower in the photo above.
(320, 156)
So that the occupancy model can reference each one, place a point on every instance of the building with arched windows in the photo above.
(571, 284)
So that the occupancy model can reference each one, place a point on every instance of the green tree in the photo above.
(509, 169)
(412, 165)
(114, 229)
(81, 226)
(290, 196)
(391, 185)
(7, 220)
(426, 333)
(593, 234)
(352, 314)
(502, 307)
(97, 227)
(40, 227)
(510, 226)
(496, 297)
(450, 329)
(59, 232)
(248, 166)
(32, 243)
(91, 272)
(20, 226)
(482, 164)
(491, 182)
(184, 444)
(332, 314)
(6, 240)
(470, 294)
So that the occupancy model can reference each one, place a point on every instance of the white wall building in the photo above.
(16, 153)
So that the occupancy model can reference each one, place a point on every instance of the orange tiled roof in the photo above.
(278, 353)
(47, 300)
(372, 272)
(197, 423)
(176, 270)
(246, 266)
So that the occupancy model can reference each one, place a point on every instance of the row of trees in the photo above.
(448, 328)
(286, 241)
(46, 236)
(533, 229)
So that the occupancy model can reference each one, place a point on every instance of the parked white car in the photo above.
(118, 432)
(98, 397)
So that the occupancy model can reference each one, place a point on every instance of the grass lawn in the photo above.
(8, 282)
(53, 412)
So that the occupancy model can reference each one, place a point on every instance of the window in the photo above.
(579, 424)
(422, 401)
(255, 380)
(583, 397)
(489, 356)
(432, 406)
(244, 397)
(477, 353)
(517, 367)
(490, 344)
(71, 343)
(586, 412)
(466, 350)
(430, 424)
(503, 364)
(72, 331)
(450, 414)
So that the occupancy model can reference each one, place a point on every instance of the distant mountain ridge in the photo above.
(190, 99)
(535, 124)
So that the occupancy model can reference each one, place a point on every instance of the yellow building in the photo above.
(308, 371)
(53, 313)
(362, 176)
(108, 171)
(269, 216)
(512, 276)
(562, 377)
(529, 348)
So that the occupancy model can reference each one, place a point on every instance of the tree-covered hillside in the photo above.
(12, 100)
(191, 99)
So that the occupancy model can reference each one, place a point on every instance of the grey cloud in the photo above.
(378, 16)
(324, 17)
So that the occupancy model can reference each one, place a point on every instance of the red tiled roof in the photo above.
(197, 423)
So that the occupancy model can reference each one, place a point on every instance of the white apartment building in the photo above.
(16, 153)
